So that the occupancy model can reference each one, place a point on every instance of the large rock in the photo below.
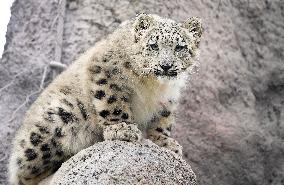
(231, 118)
(118, 162)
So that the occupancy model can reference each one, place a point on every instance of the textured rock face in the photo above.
(231, 117)
(231, 120)
(110, 163)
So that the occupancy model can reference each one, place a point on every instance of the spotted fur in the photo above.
(125, 85)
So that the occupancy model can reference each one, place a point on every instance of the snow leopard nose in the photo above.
(166, 66)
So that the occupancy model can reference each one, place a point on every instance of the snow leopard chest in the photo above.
(152, 95)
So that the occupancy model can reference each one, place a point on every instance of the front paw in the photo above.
(123, 132)
(167, 142)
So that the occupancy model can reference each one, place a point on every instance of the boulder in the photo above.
(120, 162)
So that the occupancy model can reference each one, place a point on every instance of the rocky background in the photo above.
(231, 115)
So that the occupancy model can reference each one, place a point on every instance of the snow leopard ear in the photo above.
(143, 22)
(194, 26)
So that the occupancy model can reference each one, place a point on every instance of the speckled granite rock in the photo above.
(118, 162)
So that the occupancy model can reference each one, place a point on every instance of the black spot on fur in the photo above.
(67, 103)
(115, 71)
(35, 170)
(46, 162)
(159, 129)
(53, 142)
(124, 116)
(59, 153)
(102, 81)
(49, 116)
(65, 90)
(82, 110)
(165, 113)
(74, 131)
(43, 130)
(19, 161)
(56, 165)
(116, 112)
(114, 119)
(35, 138)
(100, 94)
(112, 99)
(169, 128)
(45, 147)
(104, 113)
(65, 116)
(115, 87)
(30, 154)
(46, 155)
(58, 132)
(21, 182)
(136, 39)
(108, 73)
(95, 69)
(125, 98)
(105, 60)
(127, 65)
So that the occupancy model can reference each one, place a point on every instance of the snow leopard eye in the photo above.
(180, 48)
(154, 47)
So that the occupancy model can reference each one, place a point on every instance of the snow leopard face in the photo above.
(166, 48)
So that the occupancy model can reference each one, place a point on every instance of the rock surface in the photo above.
(231, 117)
(118, 162)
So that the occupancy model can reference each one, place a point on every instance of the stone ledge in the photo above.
(118, 162)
